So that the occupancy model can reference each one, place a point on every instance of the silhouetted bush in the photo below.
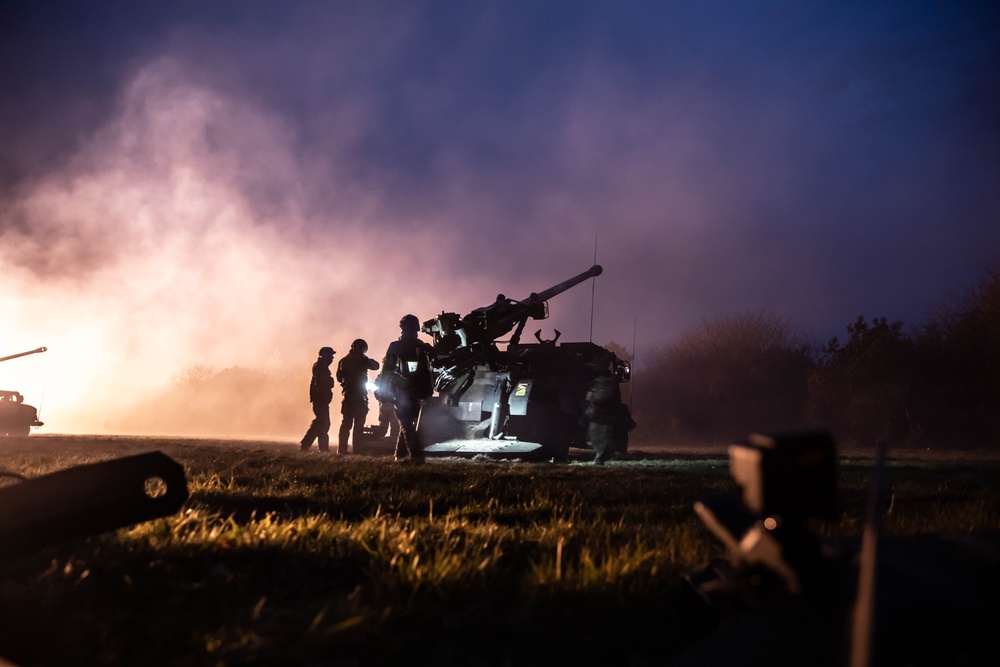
(863, 388)
(724, 379)
(959, 352)
(939, 386)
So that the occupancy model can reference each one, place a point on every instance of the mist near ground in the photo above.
(234, 187)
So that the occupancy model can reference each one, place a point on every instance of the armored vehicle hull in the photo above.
(16, 417)
(527, 400)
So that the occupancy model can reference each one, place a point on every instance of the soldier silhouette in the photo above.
(602, 413)
(352, 374)
(320, 395)
(406, 378)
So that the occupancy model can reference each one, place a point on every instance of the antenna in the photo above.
(41, 402)
(593, 289)
(631, 384)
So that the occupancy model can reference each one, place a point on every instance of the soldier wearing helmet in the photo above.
(320, 395)
(352, 374)
(406, 377)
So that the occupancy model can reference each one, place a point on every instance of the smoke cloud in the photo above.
(147, 253)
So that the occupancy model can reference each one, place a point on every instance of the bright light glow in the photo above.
(147, 254)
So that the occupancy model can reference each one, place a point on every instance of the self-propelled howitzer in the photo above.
(528, 399)
(17, 417)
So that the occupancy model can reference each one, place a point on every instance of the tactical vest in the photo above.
(321, 384)
(413, 367)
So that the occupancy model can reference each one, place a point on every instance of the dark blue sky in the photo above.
(816, 160)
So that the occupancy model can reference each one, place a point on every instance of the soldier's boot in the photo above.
(416, 450)
(342, 436)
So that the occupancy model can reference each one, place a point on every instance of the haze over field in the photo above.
(239, 183)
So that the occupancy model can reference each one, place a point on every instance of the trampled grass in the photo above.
(292, 558)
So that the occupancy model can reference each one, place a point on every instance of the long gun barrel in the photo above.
(23, 354)
(534, 307)
(545, 295)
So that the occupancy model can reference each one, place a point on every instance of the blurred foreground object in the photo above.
(785, 596)
(88, 499)
(16, 417)
(785, 481)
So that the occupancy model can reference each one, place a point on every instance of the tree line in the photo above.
(935, 384)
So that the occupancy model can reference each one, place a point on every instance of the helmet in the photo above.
(360, 345)
(409, 322)
(327, 352)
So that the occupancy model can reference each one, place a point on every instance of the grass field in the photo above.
(287, 557)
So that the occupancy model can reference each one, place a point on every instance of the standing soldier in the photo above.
(352, 374)
(406, 376)
(320, 395)
(603, 399)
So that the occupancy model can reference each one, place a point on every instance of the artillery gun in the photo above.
(527, 400)
(16, 417)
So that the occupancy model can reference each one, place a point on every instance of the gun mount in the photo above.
(486, 324)
(525, 400)
(16, 417)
